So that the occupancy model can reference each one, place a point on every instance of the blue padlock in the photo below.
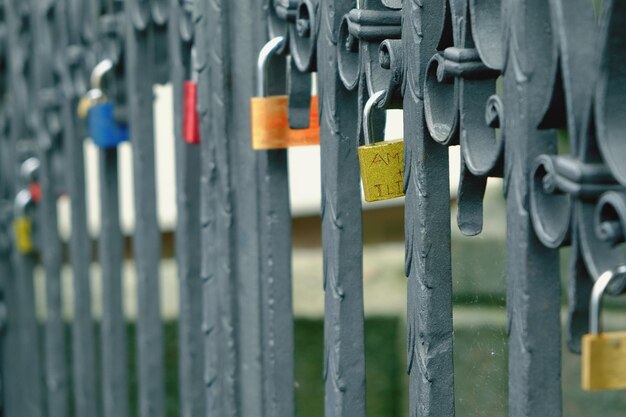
(105, 131)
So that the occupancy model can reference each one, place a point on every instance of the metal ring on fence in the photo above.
(610, 218)
(598, 253)
(303, 36)
(550, 208)
(348, 56)
(441, 98)
(482, 147)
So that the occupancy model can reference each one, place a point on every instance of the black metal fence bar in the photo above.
(22, 333)
(274, 217)
(344, 363)
(510, 81)
(188, 237)
(533, 284)
(427, 229)
(141, 73)
(222, 157)
(111, 255)
(49, 148)
(83, 344)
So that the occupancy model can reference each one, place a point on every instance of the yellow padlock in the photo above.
(270, 121)
(23, 229)
(382, 163)
(603, 354)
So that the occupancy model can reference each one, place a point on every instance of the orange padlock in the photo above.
(270, 115)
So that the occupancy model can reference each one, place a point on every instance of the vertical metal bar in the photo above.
(26, 360)
(10, 357)
(210, 297)
(56, 366)
(188, 242)
(10, 350)
(220, 101)
(344, 357)
(140, 74)
(276, 289)
(51, 254)
(27, 341)
(533, 283)
(111, 254)
(427, 229)
(264, 230)
(8, 347)
(274, 217)
(83, 344)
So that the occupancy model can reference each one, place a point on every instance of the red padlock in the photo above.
(35, 191)
(191, 120)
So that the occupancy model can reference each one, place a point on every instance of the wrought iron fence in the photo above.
(499, 78)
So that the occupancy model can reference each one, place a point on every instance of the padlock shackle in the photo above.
(29, 170)
(599, 288)
(368, 120)
(98, 73)
(267, 52)
(23, 200)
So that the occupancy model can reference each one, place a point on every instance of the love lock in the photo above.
(23, 223)
(382, 163)
(270, 115)
(104, 128)
(603, 354)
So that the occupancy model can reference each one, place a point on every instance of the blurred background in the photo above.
(479, 290)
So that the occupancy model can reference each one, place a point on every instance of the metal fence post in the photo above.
(49, 144)
(188, 236)
(533, 284)
(83, 355)
(344, 355)
(109, 29)
(141, 76)
(22, 331)
(427, 228)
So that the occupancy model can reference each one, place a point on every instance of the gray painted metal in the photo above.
(427, 230)
(141, 74)
(208, 195)
(275, 255)
(439, 61)
(83, 344)
(261, 193)
(533, 284)
(49, 144)
(344, 363)
(111, 255)
(25, 372)
(188, 237)
(226, 349)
